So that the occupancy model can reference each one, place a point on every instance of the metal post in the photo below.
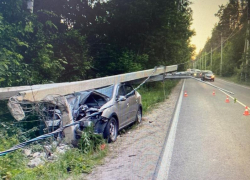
(221, 57)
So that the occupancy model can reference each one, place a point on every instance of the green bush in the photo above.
(12, 163)
(89, 141)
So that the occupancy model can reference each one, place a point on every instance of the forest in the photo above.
(70, 40)
(232, 32)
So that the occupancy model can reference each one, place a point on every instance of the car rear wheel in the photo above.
(139, 116)
(111, 130)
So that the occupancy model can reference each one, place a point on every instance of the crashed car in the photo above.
(107, 109)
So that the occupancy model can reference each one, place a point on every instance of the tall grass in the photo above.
(153, 93)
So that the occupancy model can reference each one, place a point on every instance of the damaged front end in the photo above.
(86, 109)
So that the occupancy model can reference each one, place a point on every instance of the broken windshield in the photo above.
(108, 91)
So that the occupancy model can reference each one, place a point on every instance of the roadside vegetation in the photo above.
(232, 31)
(153, 93)
(90, 152)
(235, 79)
(85, 39)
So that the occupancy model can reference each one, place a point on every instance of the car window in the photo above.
(121, 91)
(208, 72)
(129, 89)
(108, 91)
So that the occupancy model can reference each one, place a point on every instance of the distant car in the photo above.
(197, 73)
(207, 76)
(107, 109)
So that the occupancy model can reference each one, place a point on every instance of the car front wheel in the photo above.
(111, 130)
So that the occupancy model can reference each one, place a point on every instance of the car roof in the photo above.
(207, 71)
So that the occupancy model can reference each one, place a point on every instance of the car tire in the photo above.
(111, 130)
(138, 118)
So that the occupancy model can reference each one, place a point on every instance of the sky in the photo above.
(204, 20)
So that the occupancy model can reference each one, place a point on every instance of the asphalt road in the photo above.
(212, 139)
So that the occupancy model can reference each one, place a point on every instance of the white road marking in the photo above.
(236, 99)
(168, 149)
(233, 83)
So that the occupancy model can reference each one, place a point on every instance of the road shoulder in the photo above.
(135, 154)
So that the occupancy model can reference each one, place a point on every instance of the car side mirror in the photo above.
(121, 98)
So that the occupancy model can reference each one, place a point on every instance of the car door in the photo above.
(122, 107)
(132, 103)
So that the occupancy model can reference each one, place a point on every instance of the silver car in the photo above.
(107, 109)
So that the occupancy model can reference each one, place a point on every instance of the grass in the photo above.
(153, 93)
(72, 163)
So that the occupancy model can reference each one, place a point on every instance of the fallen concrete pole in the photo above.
(7, 92)
(55, 93)
(68, 88)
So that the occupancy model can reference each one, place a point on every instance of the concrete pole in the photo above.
(200, 62)
(211, 59)
(205, 61)
(247, 49)
(221, 56)
(30, 5)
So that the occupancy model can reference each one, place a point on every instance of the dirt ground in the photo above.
(135, 154)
